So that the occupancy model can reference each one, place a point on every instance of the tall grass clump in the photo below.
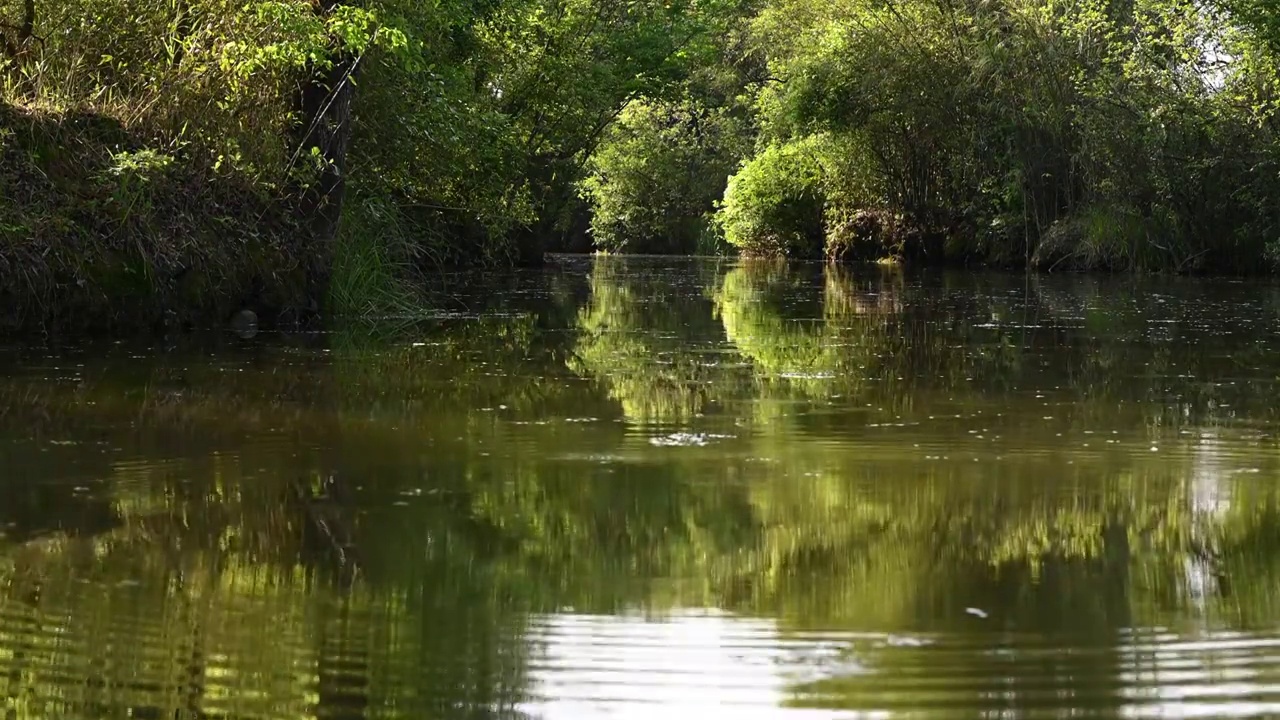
(376, 259)
(144, 165)
(1106, 238)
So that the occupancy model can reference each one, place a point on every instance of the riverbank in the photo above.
(100, 229)
(107, 230)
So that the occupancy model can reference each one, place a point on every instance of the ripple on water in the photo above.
(684, 664)
(178, 545)
(631, 666)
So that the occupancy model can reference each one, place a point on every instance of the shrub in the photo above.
(656, 178)
(773, 206)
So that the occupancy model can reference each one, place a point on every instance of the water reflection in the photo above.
(655, 486)
(630, 666)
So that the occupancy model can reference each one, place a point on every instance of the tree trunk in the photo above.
(15, 48)
(325, 108)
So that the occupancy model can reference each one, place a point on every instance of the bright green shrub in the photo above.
(656, 178)
(774, 204)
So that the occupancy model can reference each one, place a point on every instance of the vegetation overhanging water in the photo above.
(167, 164)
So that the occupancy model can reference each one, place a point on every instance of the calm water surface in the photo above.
(656, 488)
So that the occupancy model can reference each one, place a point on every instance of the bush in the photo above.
(656, 178)
(774, 205)
(1012, 132)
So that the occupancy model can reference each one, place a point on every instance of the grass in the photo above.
(376, 263)
(1115, 238)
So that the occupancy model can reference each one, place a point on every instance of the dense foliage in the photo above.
(469, 124)
(1137, 134)
(659, 173)
(1125, 134)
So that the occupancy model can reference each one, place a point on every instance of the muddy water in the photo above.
(646, 488)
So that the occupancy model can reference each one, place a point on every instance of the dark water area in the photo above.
(650, 488)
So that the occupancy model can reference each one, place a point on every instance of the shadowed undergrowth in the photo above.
(100, 230)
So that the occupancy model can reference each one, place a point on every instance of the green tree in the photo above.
(1024, 131)
(657, 177)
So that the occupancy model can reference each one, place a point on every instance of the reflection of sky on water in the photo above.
(709, 665)
(1210, 499)
(1219, 675)
(690, 664)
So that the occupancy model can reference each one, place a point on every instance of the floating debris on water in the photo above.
(906, 641)
(684, 439)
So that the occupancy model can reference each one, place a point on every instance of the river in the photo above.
(645, 487)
